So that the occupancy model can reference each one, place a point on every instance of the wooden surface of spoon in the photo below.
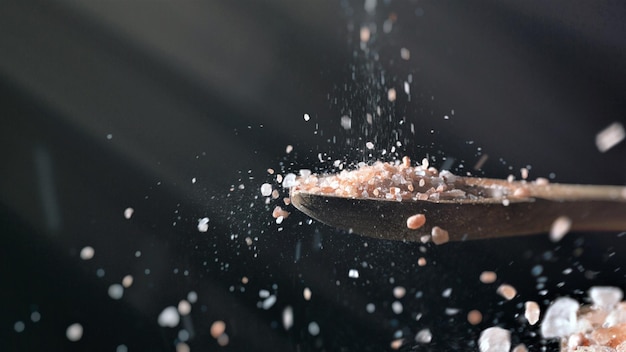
(533, 210)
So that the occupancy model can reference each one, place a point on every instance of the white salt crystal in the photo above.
(307, 117)
(127, 281)
(391, 94)
(346, 122)
(353, 274)
(314, 328)
(289, 180)
(269, 302)
(610, 136)
(169, 317)
(266, 190)
(532, 312)
(605, 296)
(399, 292)
(405, 54)
(116, 291)
(560, 227)
(184, 307)
(87, 253)
(424, 336)
(560, 318)
(287, 317)
(203, 225)
(369, 145)
(397, 307)
(306, 293)
(289, 149)
(494, 339)
(74, 332)
(128, 212)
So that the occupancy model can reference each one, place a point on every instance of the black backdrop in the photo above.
(109, 105)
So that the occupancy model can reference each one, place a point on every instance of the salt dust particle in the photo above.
(87, 253)
(424, 336)
(193, 180)
(610, 136)
(520, 348)
(287, 317)
(369, 145)
(116, 291)
(127, 281)
(169, 317)
(407, 90)
(289, 149)
(488, 277)
(474, 317)
(507, 291)
(266, 190)
(264, 293)
(447, 292)
(560, 227)
(109, 136)
(405, 54)
(203, 224)
(364, 34)
(184, 307)
(494, 339)
(397, 307)
(74, 332)
(307, 117)
(439, 235)
(35, 316)
(314, 328)
(346, 122)
(192, 297)
(370, 308)
(223, 340)
(391, 94)
(306, 293)
(217, 328)
(531, 312)
(182, 347)
(128, 212)
(421, 261)
(353, 274)
(19, 326)
(269, 302)
(245, 280)
(396, 344)
(399, 292)
(416, 221)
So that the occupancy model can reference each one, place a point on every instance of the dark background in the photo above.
(109, 105)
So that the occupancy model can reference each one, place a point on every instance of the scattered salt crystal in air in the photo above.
(610, 136)
(397, 307)
(289, 149)
(532, 312)
(289, 180)
(605, 296)
(369, 145)
(314, 328)
(494, 339)
(353, 274)
(217, 328)
(405, 54)
(370, 308)
(560, 318)
(266, 190)
(520, 348)
(184, 307)
(370, 6)
(488, 277)
(87, 253)
(269, 302)
(396, 344)
(416, 221)
(560, 227)
(182, 347)
(307, 117)
(507, 291)
(128, 212)
(407, 90)
(447, 292)
(346, 122)
(424, 336)
(474, 317)
(439, 235)
(421, 261)
(425, 163)
(222, 340)
(304, 173)
(391, 94)
(524, 173)
(127, 281)
(399, 292)
(203, 224)
(169, 317)
(364, 34)
(287, 317)
(116, 291)
(74, 332)
(193, 180)
(306, 293)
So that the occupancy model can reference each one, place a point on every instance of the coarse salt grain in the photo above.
(610, 136)
(306, 293)
(424, 336)
(488, 277)
(421, 261)
(439, 235)
(87, 253)
(74, 332)
(116, 291)
(416, 221)
(494, 339)
(507, 291)
(560, 227)
(369, 145)
(396, 344)
(203, 225)
(531, 312)
(289, 149)
(217, 328)
(169, 317)
(266, 190)
(399, 292)
(307, 117)
(184, 307)
(278, 212)
(364, 34)
(474, 317)
(287, 317)
(524, 173)
(127, 281)
(391, 94)
(128, 212)
(405, 54)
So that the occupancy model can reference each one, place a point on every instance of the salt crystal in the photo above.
(474, 317)
(520, 348)
(266, 190)
(494, 339)
(74, 332)
(307, 117)
(287, 317)
(184, 307)
(397, 307)
(314, 328)
(421, 261)
(399, 292)
(507, 291)
(447, 292)
(560, 318)
(289, 180)
(217, 328)
(192, 296)
(353, 274)
(416, 221)
(269, 302)
(605, 297)
(364, 34)
(203, 225)
(289, 149)
(610, 136)
(169, 317)
(128, 212)
(407, 90)
(369, 145)
(560, 227)
(524, 173)
(87, 253)
(439, 235)
(116, 291)
(424, 336)
(396, 344)
(532, 312)
(222, 340)
(405, 54)
(304, 173)
(306, 293)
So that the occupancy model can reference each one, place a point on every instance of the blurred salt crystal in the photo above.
(346, 122)
(307, 117)
(289, 149)
(560, 227)
(87, 253)
(203, 225)
(424, 336)
(405, 54)
(369, 145)
(507, 291)
(364, 34)
(605, 297)
(305, 173)
(397, 307)
(494, 339)
(610, 136)
(287, 317)
(269, 302)
(266, 190)
(306, 293)
(617, 316)
(353, 274)
(399, 292)
(520, 348)
(169, 317)
(127, 281)
(391, 94)
(184, 307)
(128, 212)
(74, 332)
(532, 312)
(370, 6)
(116, 291)
(314, 328)
(289, 180)
(560, 318)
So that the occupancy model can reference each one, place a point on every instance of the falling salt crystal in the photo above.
(353, 274)
(524, 173)
(203, 225)
(399, 292)
(424, 336)
(346, 122)
(520, 348)
(307, 117)
(560, 318)
(405, 54)
(407, 90)
(531, 312)
(474, 317)
(184, 307)
(396, 344)
(287, 317)
(217, 328)
(391, 94)
(370, 308)
(306, 293)
(447, 292)
(87, 253)
(364, 34)
(289, 180)
(488, 277)
(193, 180)
(266, 190)
(304, 173)
(169, 317)
(128, 212)
(116, 291)
(127, 281)
(369, 145)
(397, 307)
(74, 332)
(560, 227)
(610, 136)
(494, 339)
(314, 328)
(507, 291)
(269, 302)
(289, 149)
(439, 235)
(605, 296)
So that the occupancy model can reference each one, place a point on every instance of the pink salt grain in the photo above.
(488, 277)
(421, 261)
(474, 317)
(217, 328)
(507, 291)
(531, 312)
(439, 235)
(416, 221)
(279, 212)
